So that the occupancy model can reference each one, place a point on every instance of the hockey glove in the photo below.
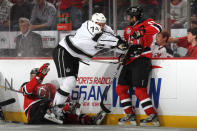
(122, 58)
(135, 50)
(42, 72)
(122, 45)
(139, 33)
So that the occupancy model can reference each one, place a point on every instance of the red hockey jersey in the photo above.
(33, 92)
(29, 99)
(150, 29)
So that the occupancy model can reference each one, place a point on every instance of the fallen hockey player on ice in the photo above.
(38, 99)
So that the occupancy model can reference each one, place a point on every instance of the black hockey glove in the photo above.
(122, 44)
(139, 33)
(135, 50)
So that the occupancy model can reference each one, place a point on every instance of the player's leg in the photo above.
(67, 69)
(122, 91)
(35, 113)
(141, 70)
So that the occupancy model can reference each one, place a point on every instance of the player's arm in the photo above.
(28, 88)
(106, 38)
(180, 41)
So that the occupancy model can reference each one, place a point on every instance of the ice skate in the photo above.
(130, 119)
(54, 115)
(99, 117)
(152, 120)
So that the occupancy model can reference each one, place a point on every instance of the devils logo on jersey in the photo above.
(45, 91)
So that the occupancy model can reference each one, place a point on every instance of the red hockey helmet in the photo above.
(46, 91)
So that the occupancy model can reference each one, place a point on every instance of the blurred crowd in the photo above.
(43, 15)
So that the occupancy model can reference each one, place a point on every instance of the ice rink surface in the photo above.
(23, 127)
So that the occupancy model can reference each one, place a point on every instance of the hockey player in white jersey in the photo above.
(93, 36)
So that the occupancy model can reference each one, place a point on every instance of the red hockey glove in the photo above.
(42, 72)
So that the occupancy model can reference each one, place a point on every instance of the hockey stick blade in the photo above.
(7, 102)
(114, 76)
(102, 100)
(107, 89)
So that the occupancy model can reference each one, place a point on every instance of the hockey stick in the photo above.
(107, 89)
(11, 89)
(114, 76)
(7, 102)
(105, 62)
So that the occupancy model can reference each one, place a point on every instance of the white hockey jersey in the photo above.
(159, 51)
(89, 40)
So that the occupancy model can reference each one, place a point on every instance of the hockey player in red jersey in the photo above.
(38, 100)
(140, 34)
(37, 96)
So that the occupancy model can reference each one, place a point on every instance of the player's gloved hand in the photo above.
(122, 45)
(139, 33)
(122, 58)
(42, 72)
(135, 50)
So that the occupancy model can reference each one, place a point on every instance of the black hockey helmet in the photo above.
(34, 71)
(135, 11)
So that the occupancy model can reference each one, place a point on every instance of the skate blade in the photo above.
(132, 123)
(156, 124)
(52, 118)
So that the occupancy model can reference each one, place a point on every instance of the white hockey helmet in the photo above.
(98, 17)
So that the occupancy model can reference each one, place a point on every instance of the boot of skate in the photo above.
(129, 119)
(151, 120)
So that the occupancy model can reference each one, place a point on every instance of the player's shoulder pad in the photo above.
(152, 23)
(93, 28)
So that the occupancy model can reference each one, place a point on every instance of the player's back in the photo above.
(84, 36)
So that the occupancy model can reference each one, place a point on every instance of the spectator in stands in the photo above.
(28, 43)
(193, 4)
(189, 42)
(43, 16)
(194, 18)
(20, 9)
(74, 9)
(5, 6)
(178, 13)
(54, 2)
(159, 49)
(151, 8)
(184, 39)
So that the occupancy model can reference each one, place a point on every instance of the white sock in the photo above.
(59, 99)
